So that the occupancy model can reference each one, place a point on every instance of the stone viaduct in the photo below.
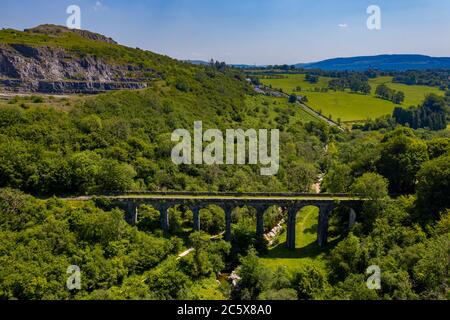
(291, 202)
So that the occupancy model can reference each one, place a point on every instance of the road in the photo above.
(315, 113)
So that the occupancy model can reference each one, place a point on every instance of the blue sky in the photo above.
(251, 31)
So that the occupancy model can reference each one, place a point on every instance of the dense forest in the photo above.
(438, 78)
(431, 114)
(408, 237)
(120, 141)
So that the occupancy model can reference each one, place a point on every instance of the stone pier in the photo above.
(322, 226)
(196, 218)
(290, 227)
(261, 202)
(260, 221)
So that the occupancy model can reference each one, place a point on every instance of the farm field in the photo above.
(346, 106)
(414, 95)
(271, 108)
(307, 250)
(292, 81)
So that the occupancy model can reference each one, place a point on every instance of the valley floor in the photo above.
(346, 106)
(307, 250)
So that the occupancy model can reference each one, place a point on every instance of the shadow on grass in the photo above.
(311, 250)
(312, 229)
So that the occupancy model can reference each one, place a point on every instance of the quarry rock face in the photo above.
(86, 87)
(25, 68)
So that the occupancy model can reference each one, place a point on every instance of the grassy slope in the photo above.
(134, 128)
(348, 106)
(292, 81)
(275, 106)
(64, 103)
(149, 64)
(209, 92)
(414, 95)
(80, 45)
(307, 250)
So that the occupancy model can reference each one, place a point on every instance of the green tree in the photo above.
(149, 219)
(114, 176)
(398, 97)
(370, 185)
(338, 179)
(168, 282)
(384, 92)
(354, 288)
(346, 258)
(400, 160)
(432, 188)
(373, 187)
(432, 271)
(310, 282)
(438, 147)
(255, 277)
(84, 167)
(243, 237)
(365, 88)
(200, 265)
(212, 220)
(282, 294)
(207, 258)
(300, 176)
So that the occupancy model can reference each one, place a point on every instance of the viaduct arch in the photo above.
(293, 202)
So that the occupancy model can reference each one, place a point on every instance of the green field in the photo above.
(292, 81)
(270, 108)
(307, 250)
(414, 95)
(347, 106)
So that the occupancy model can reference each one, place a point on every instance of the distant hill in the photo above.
(246, 66)
(395, 62)
(197, 62)
(238, 66)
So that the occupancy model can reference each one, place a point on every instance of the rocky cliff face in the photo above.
(56, 70)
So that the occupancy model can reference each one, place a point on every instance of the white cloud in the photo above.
(343, 25)
(98, 5)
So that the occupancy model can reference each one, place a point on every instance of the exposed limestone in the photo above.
(26, 68)
(272, 234)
